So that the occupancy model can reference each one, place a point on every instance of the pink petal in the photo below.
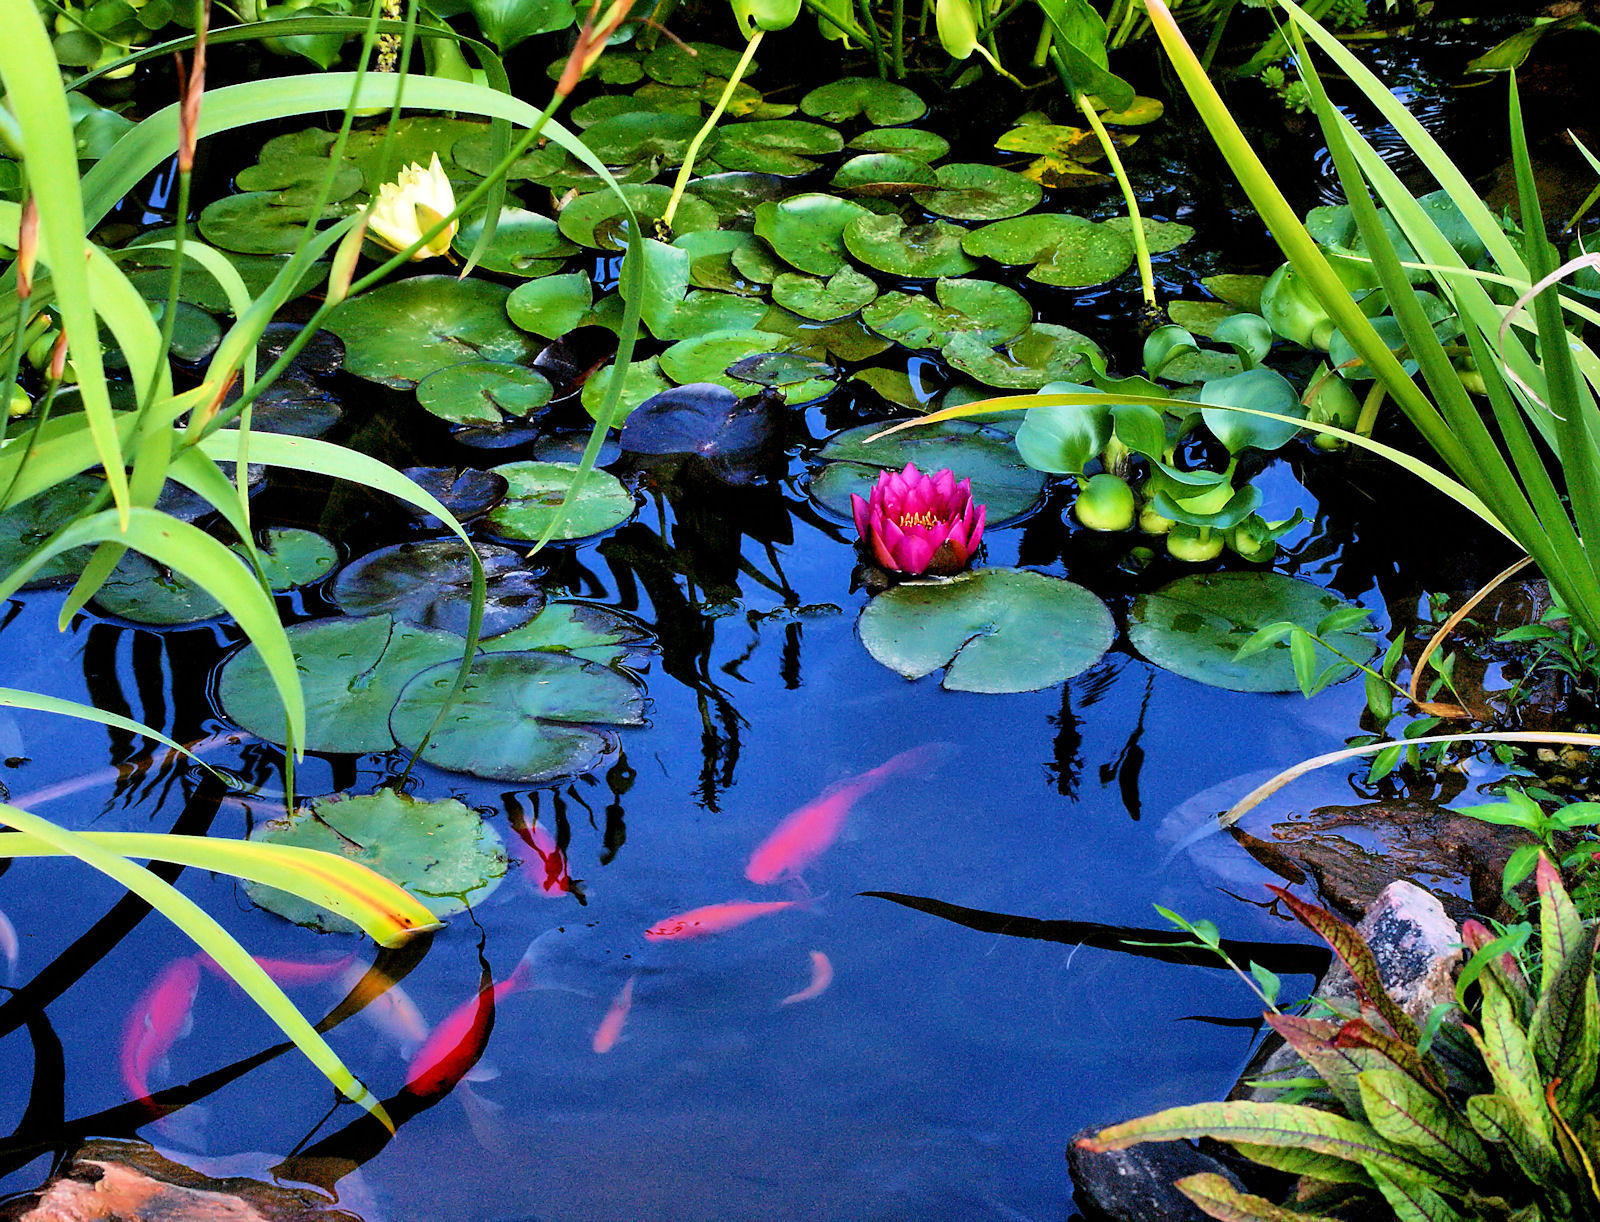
(914, 553)
(861, 509)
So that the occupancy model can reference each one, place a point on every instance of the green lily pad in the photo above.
(671, 64)
(298, 178)
(1043, 353)
(584, 630)
(474, 154)
(195, 334)
(642, 380)
(597, 220)
(701, 312)
(1200, 317)
(986, 455)
(639, 135)
(1195, 625)
(993, 630)
(736, 195)
(255, 223)
(416, 139)
(847, 340)
(839, 296)
(1085, 256)
(972, 192)
(24, 527)
(882, 174)
(430, 584)
(990, 312)
(483, 392)
(758, 265)
(711, 258)
(616, 67)
(1160, 236)
(525, 244)
(1138, 112)
(198, 287)
(903, 142)
(707, 357)
(1024, 239)
(527, 717)
(537, 493)
(551, 305)
(882, 102)
(443, 852)
(404, 330)
(807, 231)
(1242, 292)
(888, 244)
(351, 671)
(774, 146)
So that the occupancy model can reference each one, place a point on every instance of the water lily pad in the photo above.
(430, 584)
(705, 420)
(551, 305)
(774, 146)
(701, 313)
(972, 192)
(982, 453)
(642, 379)
(597, 220)
(1195, 625)
(757, 263)
(466, 492)
(990, 312)
(1136, 113)
(443, 852)
(705, 358)
(736, 195)
(525, 244)
(888, 244)
(903, 142)
(257, 223)
(1086, 255)
(711, 258)
(1024, 239)
(847, 340)
(882, 102)
(1160, 236)
(527, 717)
(1043, 353)
(807, 231)
(994, 630)
(640, 135)
(295, 169)
(483, 392)
(671, 64)
(1200, 317)
(584, 630)
(839, 296)
(351, 671)
(473, 152)
(417, 137)
(1242, 292)
(538, 493)
(24, 527)
(404, 330)
(882, 174)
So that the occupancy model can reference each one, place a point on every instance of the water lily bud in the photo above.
(58, 361)
(918, 523)
(412, 204)
(1105, 503)
(1194, 544)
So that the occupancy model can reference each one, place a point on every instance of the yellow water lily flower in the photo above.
(408, 207)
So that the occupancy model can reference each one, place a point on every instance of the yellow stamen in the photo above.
(926, 518)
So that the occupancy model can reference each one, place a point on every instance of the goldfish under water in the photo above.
(162, 1016)
(714, 918)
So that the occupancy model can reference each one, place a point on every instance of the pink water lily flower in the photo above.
(919, 523)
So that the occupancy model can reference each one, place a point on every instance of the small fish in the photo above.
(807, 833)
(609, 1031)
(10, 947)
(821, 978)
(544, 859)
(162, 1016)
(290, 972)
(387, 1006)
(713, 918)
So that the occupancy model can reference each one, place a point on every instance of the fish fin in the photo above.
(483, 1071)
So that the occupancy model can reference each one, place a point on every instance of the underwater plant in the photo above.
(917, 523)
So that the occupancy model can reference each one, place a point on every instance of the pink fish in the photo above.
(821, 978)
(609, 1031)
(290, 972)
(159, 1019)
(713, 918)
(808, 832)
(543, 857)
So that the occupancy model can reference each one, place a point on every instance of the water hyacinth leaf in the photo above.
(993, 630)
(551, 305)
(597, 220)
(991, 313)
(641, 380)
(466, 492)
(537, 493)
(527, 717)
(402, 331)
(584, 630)
(839, 296)
(351, 671)
(1195, 625)
(525, 244)
(1043, 353)
(785, 147)
(430, 584)
(443, 852)
(883, 103)
(483, 392)
(1085, 256)
(982, 453)
(888, 244)
(1262, 389)
(971, 192)
(807, 231)
(701, 313)
(1024, 239)
(882, 174)
(641, 135)
(255, 223)
(902, 142)
(1061, 440)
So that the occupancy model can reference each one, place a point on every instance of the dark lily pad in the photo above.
(321, 356)
(255, 223)
(483, 392)
(704, 420)
(983, 453)
(430, 584)
(525, 244)
(882, 102)
(972, 192)
(597, 220)
(807, 231)
(640, 135)
(527, 717)
(1043, 353)
(888, 244)
(351, 671)
(538, 493)
(839, 296)
(293, 405)
(443, 852)
(846, 340)
(404, 330)
(1195, 625)
(991, 313)
(736, 195)
(642, 379)
(584, 630)
(774, 146)
(993, 630)
(24, 527)
(902, 142)
(466, 492)
(882, 174)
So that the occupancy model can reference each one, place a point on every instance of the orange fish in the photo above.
(808, 832)
(609, 1031)
(541, 855)
(387, 1006)
(713, 918)
(821, 978)
(290, 972)
(161, 1017)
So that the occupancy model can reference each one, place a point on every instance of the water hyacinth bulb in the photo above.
(410, 206)
(917, 523)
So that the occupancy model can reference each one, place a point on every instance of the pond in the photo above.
(944, 983)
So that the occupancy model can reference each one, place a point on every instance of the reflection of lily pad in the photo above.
(597, 220)
(538, 493)
(888, 244)
(982, 453)
(841, 295)
(807, 231)
(1195, 625)
(882, 102)
(525, 244)
(1043, 353)
(973, 192)
(774, 146)
(990, 312)
(526, 717)
(430, 584)
(351, 671)
(442, 852)
(483, 392)
(702, 419)
(466, 492)
(993, 630)
(404, 330)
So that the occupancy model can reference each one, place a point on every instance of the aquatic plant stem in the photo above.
(687, 168)
(899, 31)
(871, 25)
(1141, 248)
(1369, 409)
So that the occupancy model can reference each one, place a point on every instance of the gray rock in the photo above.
(1135, 1185)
